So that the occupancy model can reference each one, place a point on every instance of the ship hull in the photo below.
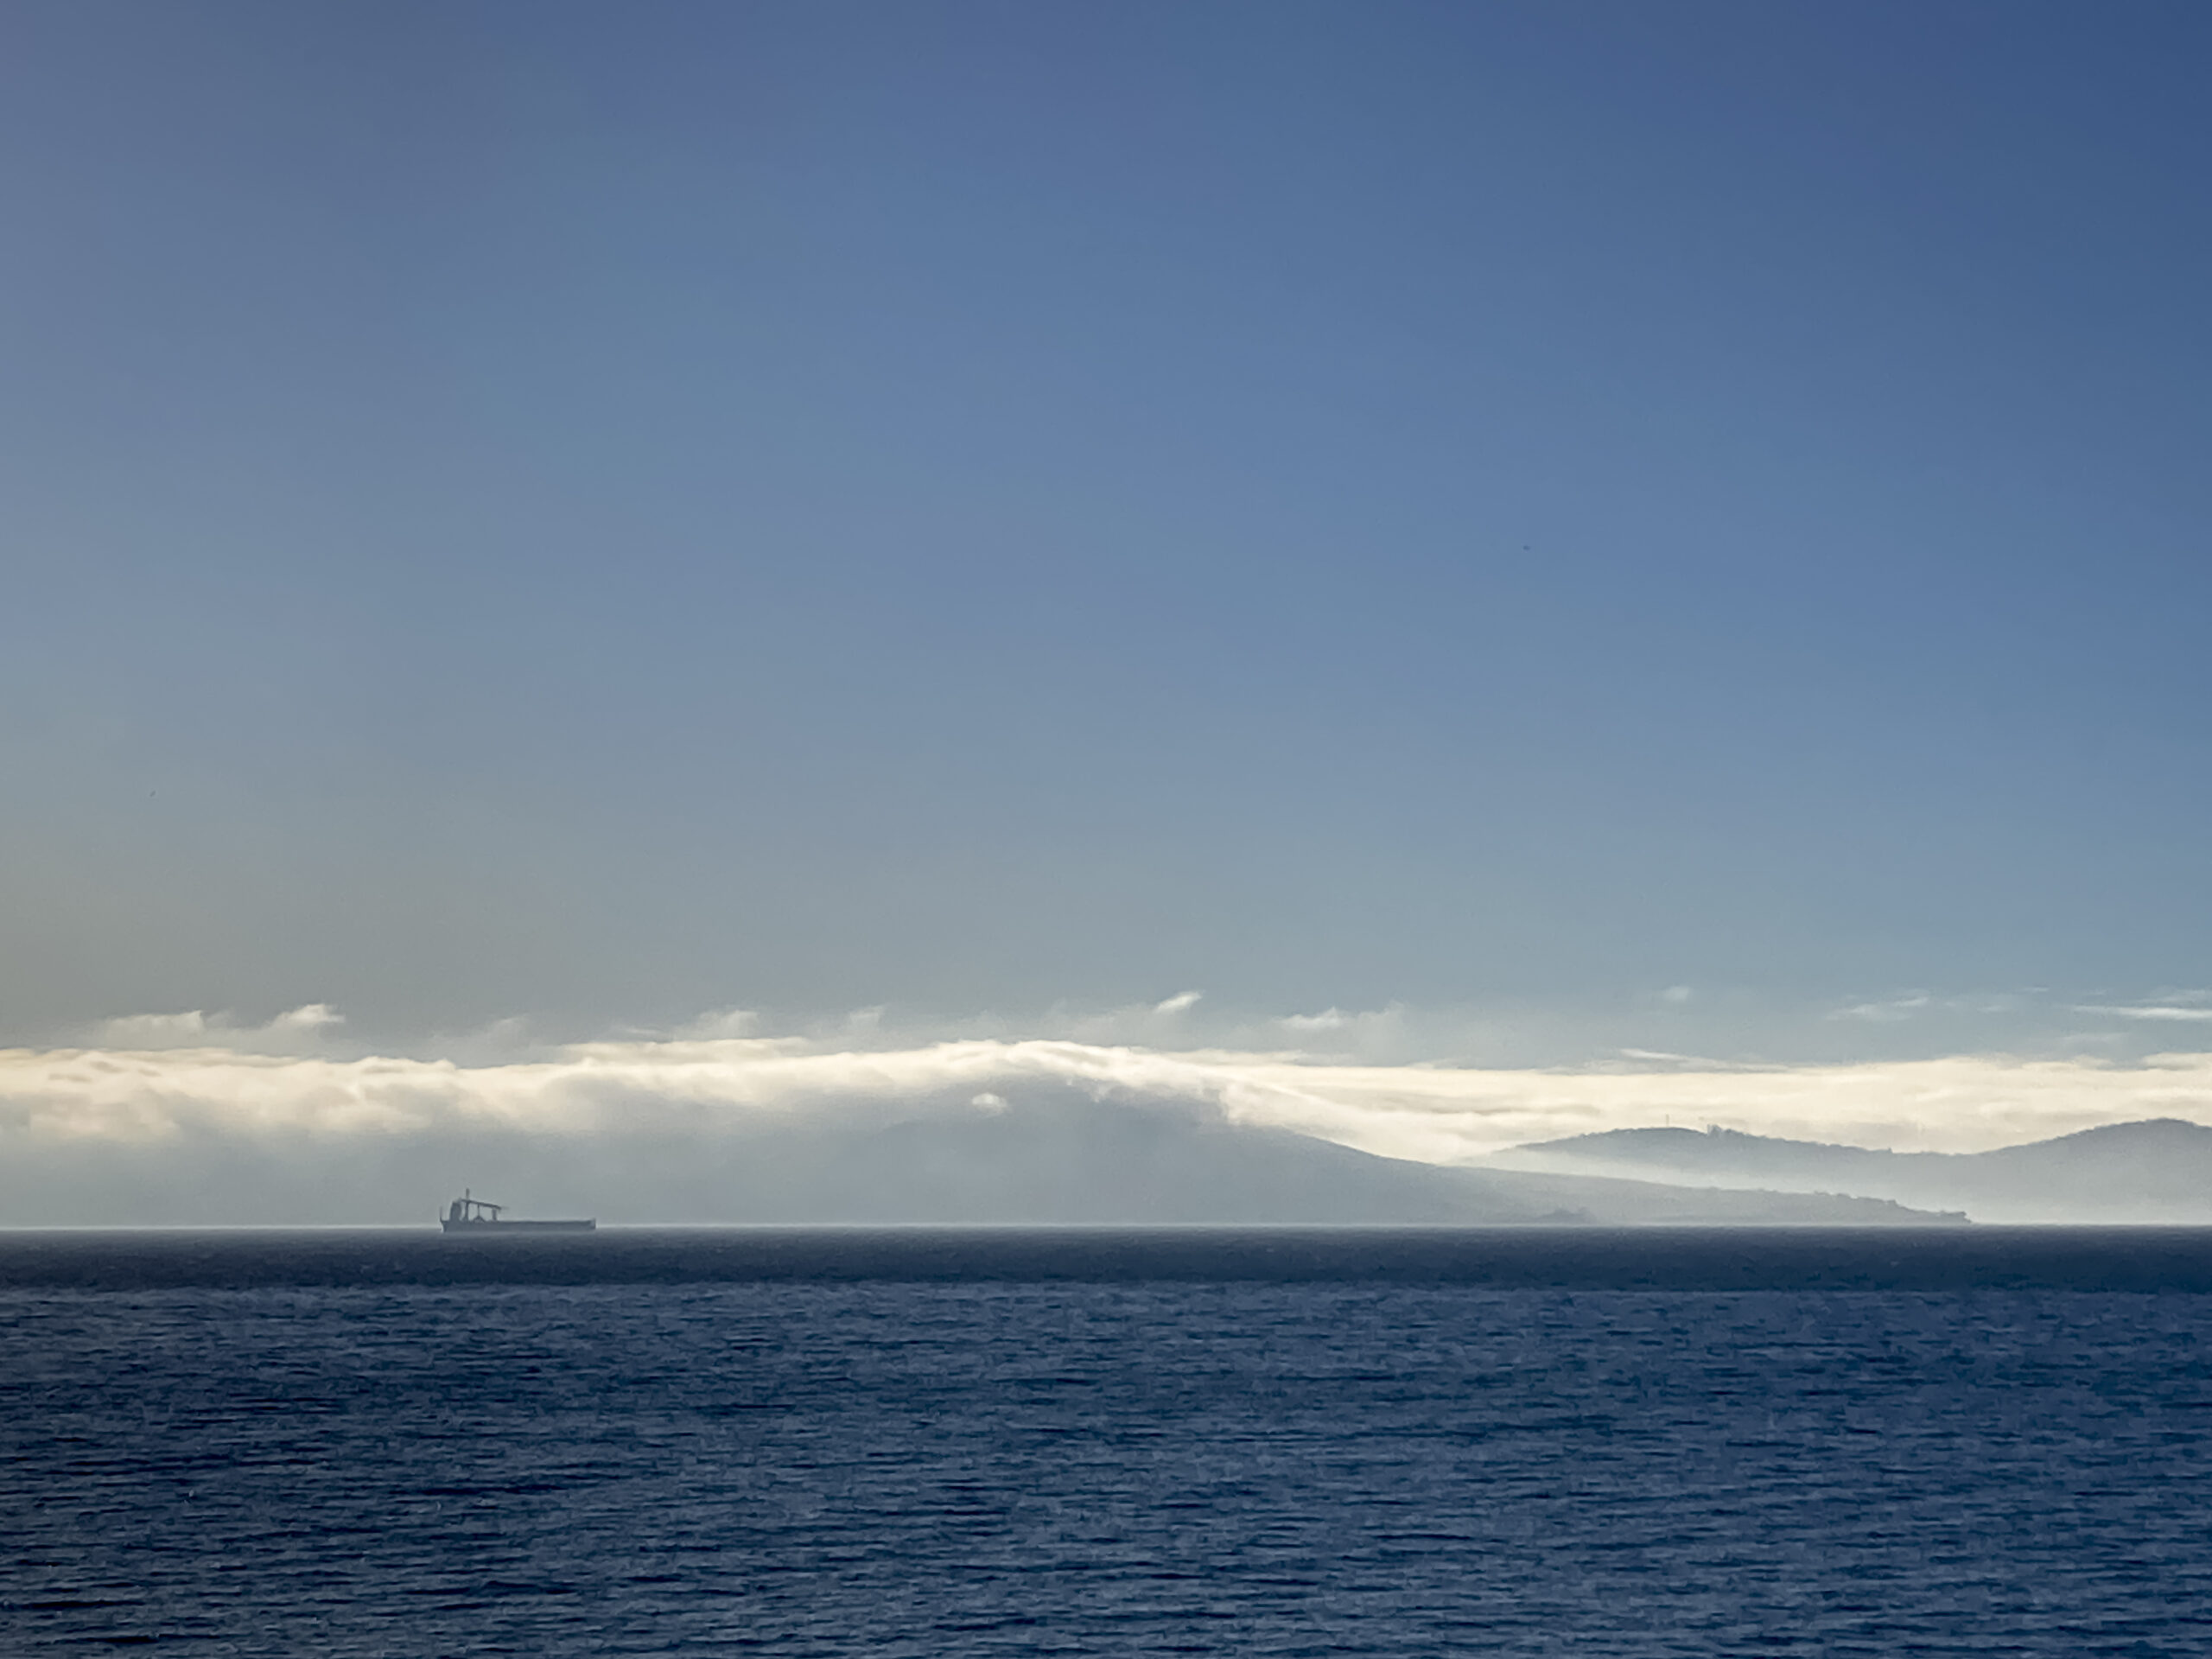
(503, 1227)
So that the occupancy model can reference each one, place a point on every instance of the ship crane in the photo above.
(467, 1208)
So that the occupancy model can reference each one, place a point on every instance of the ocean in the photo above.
(1545, 1441)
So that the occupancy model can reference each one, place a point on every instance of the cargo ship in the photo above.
(470, 1214)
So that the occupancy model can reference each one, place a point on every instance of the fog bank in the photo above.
(105, 1135)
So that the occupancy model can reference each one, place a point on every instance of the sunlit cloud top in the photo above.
(240, 1083)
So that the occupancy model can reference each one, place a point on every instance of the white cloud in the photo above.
(1373, 1034)
(700, 1086)
(1888, 1011)
(195, 1029)
(309, 1019)
(1648, 1057)
(2158, 1011)
(154, 1030)
(1181, 1003)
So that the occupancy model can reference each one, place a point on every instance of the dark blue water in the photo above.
(839, 1450)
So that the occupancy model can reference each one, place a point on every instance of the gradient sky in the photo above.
(604, 513)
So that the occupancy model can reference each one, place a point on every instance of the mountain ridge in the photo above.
(1049, 1157)
(2146, 1170)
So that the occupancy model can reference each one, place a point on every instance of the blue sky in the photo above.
(601, 513)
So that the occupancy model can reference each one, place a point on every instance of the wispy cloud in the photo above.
(1348, 1030)
(196, 1028)
(2156, 1011)
(1635, 1060)
(1887, 1011)
(726, 1022)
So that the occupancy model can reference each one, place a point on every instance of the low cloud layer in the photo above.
(75, 1122)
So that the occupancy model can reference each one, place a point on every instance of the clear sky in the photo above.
(603, 512)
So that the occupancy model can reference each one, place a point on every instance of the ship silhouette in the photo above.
(470, 1214)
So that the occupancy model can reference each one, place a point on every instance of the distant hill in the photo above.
(1068, 1159)
(1053, 1156)
(2157, 1170)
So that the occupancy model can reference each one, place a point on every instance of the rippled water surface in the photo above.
(940, 1466)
